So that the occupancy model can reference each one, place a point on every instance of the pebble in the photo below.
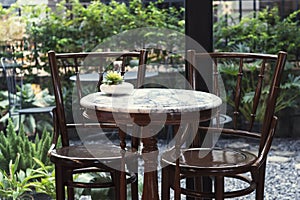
(278, 159)
(238, 145)
(285, 153)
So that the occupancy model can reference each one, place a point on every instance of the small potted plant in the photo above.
(112, 78)
(113, 83)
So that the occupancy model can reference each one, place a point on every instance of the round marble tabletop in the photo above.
(152, 100)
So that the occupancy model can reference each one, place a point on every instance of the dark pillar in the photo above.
(199, 22)
(198, 19)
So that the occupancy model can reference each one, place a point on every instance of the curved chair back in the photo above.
(251, 83)
(63, 65)
(248, 84)
(14, 81)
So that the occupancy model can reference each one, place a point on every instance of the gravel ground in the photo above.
(282, 173)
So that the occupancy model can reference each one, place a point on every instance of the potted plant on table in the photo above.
(113, 78)
(113, 83)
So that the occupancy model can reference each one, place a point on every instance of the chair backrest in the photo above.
(251, 83)
(14, 81)
(62, 64)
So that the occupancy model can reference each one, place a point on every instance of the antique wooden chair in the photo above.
(14, 81)
(245, 104)
(70, 159)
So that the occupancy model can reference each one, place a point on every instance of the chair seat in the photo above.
(211, 160)
(36, 110)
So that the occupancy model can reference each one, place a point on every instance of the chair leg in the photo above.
(219, 187)
(165, 185)
(123, 188)
(120, 194)
(177, 186)
(59, 183)
(190, 184)
(70, 190)
(198, 186)
(134, 168)
(135, 189)
(260, 184)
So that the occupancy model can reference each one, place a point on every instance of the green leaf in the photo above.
(13, 166)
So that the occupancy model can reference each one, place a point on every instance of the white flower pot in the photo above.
(120, 89)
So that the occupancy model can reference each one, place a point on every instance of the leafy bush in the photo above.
(289, 89)
(19, 184)
(12, 27)
(13, 144)
(266, 33)
(78, 28)
(46, 182)
(31, 123)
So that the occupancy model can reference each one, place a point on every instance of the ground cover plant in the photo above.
(25, 168)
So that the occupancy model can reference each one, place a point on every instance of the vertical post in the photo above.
(199, 17)
(297, 18)
(199, 26)
(240, 10)
(199, 23)
(282, 13)
(254, 8)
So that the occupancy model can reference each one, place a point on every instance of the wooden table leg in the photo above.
(150, 155)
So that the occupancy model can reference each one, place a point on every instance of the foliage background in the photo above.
(266, 33)
(74, 27)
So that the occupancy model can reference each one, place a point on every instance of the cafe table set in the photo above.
(150, 109)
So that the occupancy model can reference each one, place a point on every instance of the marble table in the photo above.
(148, 109)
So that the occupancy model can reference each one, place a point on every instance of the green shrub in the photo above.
(287, 98)
(18, 184)
(32, 123)
(13, 143)
(46, 183)
(79, 28)
(266, 33)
